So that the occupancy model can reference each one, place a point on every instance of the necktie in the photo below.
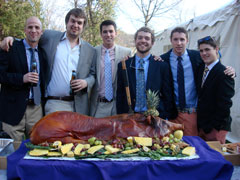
(204, 75)
(180, 81)
(140, 87)
(35, 89)
(108, 77)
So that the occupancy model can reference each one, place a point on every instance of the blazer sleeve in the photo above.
(8, 75)
(225, 92)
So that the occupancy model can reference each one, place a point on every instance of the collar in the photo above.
(27, 46)
(111, 49)
(145, 59)
(212, 64)
(65, 37)
(175, 56)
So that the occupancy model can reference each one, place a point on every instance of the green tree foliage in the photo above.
(13, 14)
(97, 11)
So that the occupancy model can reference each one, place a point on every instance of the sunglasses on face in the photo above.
(207, 38)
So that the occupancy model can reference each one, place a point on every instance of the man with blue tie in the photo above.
(21, 73)
(144, 73)
(109, 54)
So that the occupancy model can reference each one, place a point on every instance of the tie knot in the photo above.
(179, 58)
(141, 62)
(32, 50)
(206, 69)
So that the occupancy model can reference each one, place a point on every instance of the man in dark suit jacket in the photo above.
(156, 77)
(191, 61)
(215, 91)
(19, 110)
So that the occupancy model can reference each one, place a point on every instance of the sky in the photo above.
(127, 13)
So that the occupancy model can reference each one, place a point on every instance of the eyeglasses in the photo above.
(207, 38)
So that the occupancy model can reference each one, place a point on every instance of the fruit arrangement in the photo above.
(154, 148)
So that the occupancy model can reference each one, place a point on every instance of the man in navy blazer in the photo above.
(215, 91)
(156, 77)
(19, 111)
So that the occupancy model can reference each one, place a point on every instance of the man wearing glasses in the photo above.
(184, 65)
(144, 73)
(215, 91)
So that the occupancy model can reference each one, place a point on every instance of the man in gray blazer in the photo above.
(66, 52)
(103, 96)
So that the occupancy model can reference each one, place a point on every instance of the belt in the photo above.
(187, 110)
(104, 100)
(63, 98)
(30, 102)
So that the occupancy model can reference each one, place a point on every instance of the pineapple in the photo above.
(152, 103)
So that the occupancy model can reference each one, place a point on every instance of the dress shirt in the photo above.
(145, 66)
(211, 66)
(189, 82)
(101, 90)
(65, 60)
(29, 54)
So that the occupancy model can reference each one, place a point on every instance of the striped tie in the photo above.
(204, 75)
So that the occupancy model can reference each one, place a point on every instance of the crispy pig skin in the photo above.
(71, 127)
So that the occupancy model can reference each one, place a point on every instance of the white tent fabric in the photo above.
(224, 25)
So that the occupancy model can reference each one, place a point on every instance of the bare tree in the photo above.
(154, 8)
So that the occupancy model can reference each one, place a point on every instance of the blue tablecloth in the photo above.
(211, 165)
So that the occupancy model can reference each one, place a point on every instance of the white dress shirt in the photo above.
(66, 60)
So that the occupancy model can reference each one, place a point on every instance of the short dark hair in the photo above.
(145, 29)
(207, 40)
(77, 12)
(108, 23)
(179, 30)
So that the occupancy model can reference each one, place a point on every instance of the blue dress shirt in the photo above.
(189, 82)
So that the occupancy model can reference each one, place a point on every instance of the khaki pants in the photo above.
(58, 105)
(105, 109)
(32, 115)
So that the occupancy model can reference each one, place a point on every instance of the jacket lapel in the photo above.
(117, 54)
(99, 57)
(23, 57)
(211, 75)
(83, 51)
(150, 75)
(191, 57)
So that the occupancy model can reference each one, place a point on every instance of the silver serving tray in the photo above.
(4, 144)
